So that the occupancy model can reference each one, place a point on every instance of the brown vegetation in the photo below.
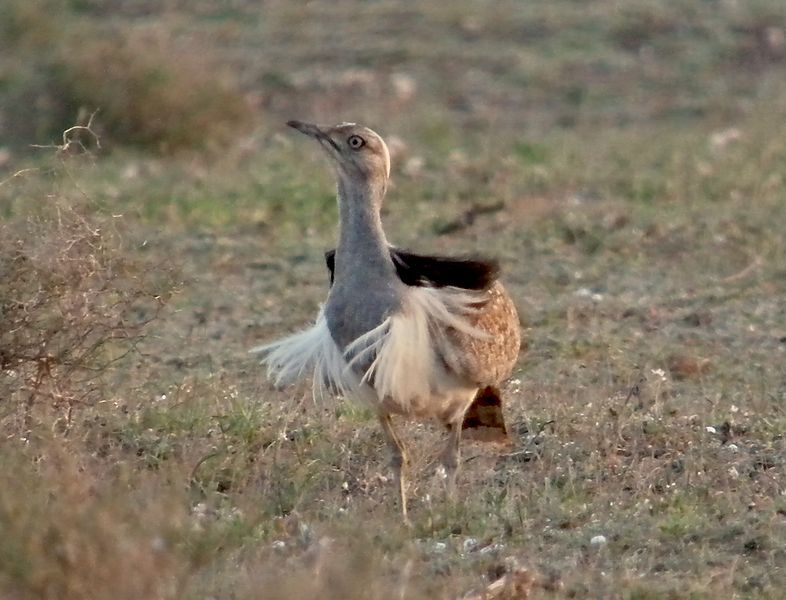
(151, 87)
(72, 303)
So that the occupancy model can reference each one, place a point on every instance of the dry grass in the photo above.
(626, 167)
(69, 534)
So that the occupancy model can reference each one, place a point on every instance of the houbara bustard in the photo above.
(411, 335)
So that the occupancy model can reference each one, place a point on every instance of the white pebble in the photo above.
(710, 429)
(598, 540)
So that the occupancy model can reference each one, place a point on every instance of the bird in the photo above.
(409, 335)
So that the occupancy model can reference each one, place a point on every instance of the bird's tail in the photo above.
(484, 421)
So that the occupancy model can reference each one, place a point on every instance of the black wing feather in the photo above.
(421, 270)
(330, 261)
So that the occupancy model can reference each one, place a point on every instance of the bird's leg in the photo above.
(399, 460)
(451, 457)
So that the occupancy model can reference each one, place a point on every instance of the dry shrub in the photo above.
(69, 534)
(72, 304)
(31, 24)
(31, 108)
(309, 566)
(150, 87)
(74, 528)
(328, 571)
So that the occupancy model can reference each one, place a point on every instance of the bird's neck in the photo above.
(362, 246)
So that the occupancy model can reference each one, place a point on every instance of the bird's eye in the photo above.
(356, 142)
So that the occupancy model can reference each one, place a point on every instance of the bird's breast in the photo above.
(353, 310)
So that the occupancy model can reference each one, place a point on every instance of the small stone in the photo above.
(720, 139)
(470, 544)
(710, 429)
(598, 540)
(492, 548)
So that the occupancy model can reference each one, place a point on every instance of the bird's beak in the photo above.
(318, 134)
(307, 128)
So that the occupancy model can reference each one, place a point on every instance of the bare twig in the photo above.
(71, 139)
(635, 389)
(18, 173)
(752, 266)
(202, 461)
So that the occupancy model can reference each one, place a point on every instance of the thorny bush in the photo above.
(72, 304)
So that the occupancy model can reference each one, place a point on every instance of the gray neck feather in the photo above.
(362, 247)
(366, 289)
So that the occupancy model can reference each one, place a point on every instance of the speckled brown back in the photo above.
(489, 361)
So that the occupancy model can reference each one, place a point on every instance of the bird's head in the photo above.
(360, 155)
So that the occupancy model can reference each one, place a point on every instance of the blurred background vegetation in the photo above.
(564, 96)
(624, 160)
